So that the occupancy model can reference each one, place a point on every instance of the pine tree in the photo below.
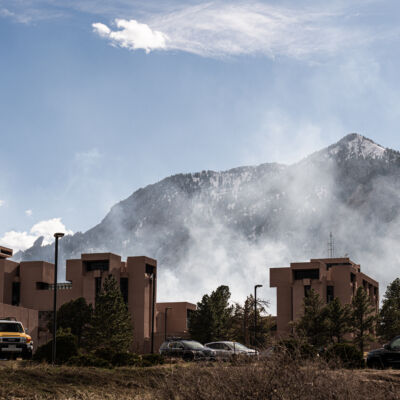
(337, 320)
(313, 324)
(362, 319)
(111, 328)
(243, 322)
(74, 315)
(389, 317)
(212, 318)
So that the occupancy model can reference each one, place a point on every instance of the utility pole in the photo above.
(255, 312)
(57, 236)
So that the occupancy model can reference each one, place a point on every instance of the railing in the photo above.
(61, 286)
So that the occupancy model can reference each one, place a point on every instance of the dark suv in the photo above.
(188, 350)
(388, 356)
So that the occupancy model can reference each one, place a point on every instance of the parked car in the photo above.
(188, 350)
(226, 350)
(14, 340)
(388, 356)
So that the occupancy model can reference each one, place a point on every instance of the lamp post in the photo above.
(165, 321)
(153, 297)
(57, 236)
(255, 312)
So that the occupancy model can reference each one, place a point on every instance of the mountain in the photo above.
(209, 228)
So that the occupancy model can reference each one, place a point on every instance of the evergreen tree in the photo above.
(111, 329)
(337, 320)
(243, 323)
(211, 321)
(362, 319)
(74, 315)
(389, 317)
(313, 324)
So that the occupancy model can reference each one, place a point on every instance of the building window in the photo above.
(123, 284)
(300, 274)
(97, 286)
(353, 282)
(150, 269)
(189, 312)
(42, 286)
(307, 290)
(102, 265)
(16, 293)
(329, 294)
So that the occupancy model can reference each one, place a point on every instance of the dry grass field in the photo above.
(272, 379)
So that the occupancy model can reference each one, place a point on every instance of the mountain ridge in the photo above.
(193, 221)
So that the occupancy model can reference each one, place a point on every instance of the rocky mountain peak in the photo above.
(357, 146)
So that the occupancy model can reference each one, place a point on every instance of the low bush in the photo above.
(148, 360)
(89, 360)
(347, 354)
(297, 348)
(66, 347)
(125, 359)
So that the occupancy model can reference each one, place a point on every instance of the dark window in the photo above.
(97, 286)
(102, 265)
(42, 286)
(365, 285)
(189, 312)
(375, 291)
(150, 269)
(6, 252)
(329, 294)
(123, 284)
(307, 289)
(352, 277)
(300, 274)
(16, 293)
(11, 327)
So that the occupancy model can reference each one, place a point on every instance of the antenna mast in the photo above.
(331, 246)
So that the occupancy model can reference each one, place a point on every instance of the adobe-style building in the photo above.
(26, 293)
(329, 277)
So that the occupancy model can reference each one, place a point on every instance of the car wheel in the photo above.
(188, 357)
(376, 364)
(27, 356)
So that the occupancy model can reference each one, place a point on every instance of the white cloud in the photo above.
(28, 212)
(132, 35)
(219, 29)
(17, 240)
(2, 202)
(23, 240)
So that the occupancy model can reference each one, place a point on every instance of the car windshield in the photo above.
(191, 344)
(239, 346)
(10, 327)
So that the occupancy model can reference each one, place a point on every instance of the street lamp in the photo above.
(153, 297)
(255, 312)
(57, 236)
(165, 321)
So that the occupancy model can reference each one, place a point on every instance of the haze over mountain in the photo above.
(211, 228)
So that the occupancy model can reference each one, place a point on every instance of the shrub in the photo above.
(89, 360)
(66, 348)
(348, 355)
(125, 359)
(147, 360)
(297, 348)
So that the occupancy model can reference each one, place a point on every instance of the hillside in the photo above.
(209, 227)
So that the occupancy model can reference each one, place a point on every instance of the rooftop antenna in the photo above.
(331, 246)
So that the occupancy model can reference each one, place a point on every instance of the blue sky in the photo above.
(98, 99)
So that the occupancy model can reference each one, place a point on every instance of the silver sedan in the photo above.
(226, 350)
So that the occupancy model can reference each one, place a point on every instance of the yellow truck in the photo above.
(14, 340)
